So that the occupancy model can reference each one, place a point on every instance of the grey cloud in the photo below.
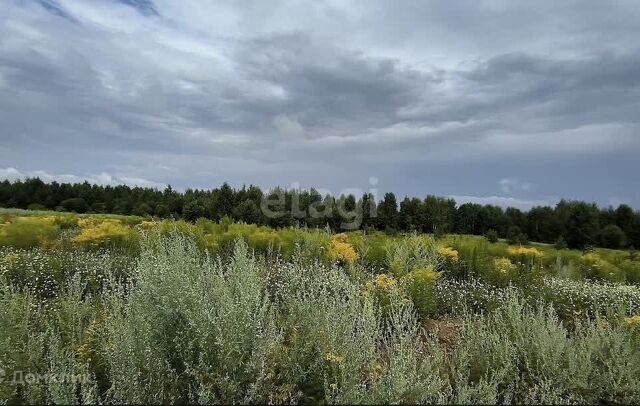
(327, 88)
(328, 92)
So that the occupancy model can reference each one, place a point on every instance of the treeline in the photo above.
(573, 224)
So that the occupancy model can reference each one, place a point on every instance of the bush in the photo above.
(100, 233)
(612, 236)
(420, 284)
(492, 236)
(560, 243)
(341, 251)
(414, 252)
(25, 232)
(75, 204)
(185, 327)
(193, 211)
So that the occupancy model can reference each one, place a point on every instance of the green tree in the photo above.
(388, 212)
(492, 236)
(581, 223)
(612, 236)
(75, 204)
(469, 219)
(193, 211)
(409, 215)
(248, 211)
(143, 209)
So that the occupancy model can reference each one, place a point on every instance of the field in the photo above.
(125, 309)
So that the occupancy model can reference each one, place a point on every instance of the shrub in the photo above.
(186, 327)
(341, 251)
(96, 233)
(592, 266)
(75, 204)
(448, 254)
(612, 236)
(560, 243)
(411, 253)
(528, 253)
(523, 354)
(25, 232)
(420, 283)
(385, 289)
(492, 236)
(193, 211)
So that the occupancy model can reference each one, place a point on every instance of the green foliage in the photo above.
(28, 231)
(421, 287)
(182, 326)
(193, 211)
(413, 252)
(581, 224)
(492, 236)
(612, 236)
(75, 204)
(560, 243)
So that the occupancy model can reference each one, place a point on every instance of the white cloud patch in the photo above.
(513, 185)
(103, 178)
(504, 201)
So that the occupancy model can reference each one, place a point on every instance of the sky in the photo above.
(506, 102)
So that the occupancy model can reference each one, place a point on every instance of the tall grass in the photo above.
(187, 327)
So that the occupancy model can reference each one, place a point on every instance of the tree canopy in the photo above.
(574, 223)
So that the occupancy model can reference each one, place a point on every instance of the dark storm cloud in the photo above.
(430, 97)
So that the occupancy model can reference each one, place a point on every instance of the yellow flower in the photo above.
(448, 253)
(590, 257)
(340, 250)
(376, 370)
(146, 225)
(503, 265)
(106, 230)
(385, 281)
(342, 237)
(524, 251)
(331, 357)
(633, 321)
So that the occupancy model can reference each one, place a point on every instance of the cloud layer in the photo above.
(452, 98)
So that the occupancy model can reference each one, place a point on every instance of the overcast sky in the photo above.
(496, 101)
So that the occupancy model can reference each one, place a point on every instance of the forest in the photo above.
(573, 224)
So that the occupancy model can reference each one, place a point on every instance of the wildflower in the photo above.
(146, 225)
(108, 229)
(633, 321)
(503, 265)
(449, 253)
(340, 250)
(376, 370)
(331, 357)
(590, 257)
(524, 251)
(385, 282)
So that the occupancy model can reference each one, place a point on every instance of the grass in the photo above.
(102, 309)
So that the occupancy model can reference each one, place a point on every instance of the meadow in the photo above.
(126, 309)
